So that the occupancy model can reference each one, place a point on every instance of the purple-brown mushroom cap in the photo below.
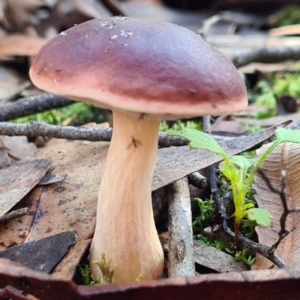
(140, 66)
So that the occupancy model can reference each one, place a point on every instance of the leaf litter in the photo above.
(285, 157)
(27, 11)
(71, 204)
(19, 179)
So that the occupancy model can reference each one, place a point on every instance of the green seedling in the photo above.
(240, 171)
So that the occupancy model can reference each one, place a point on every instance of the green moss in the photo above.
(86, 275)
(77, 114)
(179, 125)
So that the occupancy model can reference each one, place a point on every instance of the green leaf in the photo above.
(248, 206)
(242, 162)
(261, 216)
(199, 140)
(287, 135)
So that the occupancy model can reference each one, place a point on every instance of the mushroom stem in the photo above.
(125, 229)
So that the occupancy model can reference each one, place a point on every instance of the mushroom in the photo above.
(143, 71)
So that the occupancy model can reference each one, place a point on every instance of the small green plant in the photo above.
(206, 213)
(240, 171)
(86, 276)
(219, 242)
(246, 256)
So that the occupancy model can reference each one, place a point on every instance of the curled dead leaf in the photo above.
(285, 157)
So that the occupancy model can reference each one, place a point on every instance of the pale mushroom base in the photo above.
(125, 229)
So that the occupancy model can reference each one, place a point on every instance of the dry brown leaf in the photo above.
(71, 204)
(19, 147)
(14, 148)
(19, 179)
(21, 45)
(68, 265)
(4, 159)
(15, 232)
(284, 157)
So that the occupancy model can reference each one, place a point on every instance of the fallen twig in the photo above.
(32, 105)
(74, 133)
(266, 55)
(181, 252)
(258, 248)
(197, 180)
(13, 214)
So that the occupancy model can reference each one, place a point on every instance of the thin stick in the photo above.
(32, 105)
(259, 248)
(197, 180)
(13, 214)
(74, 133)
(267, 55)
(181, 252)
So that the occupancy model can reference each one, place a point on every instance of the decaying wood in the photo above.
(181, 259)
